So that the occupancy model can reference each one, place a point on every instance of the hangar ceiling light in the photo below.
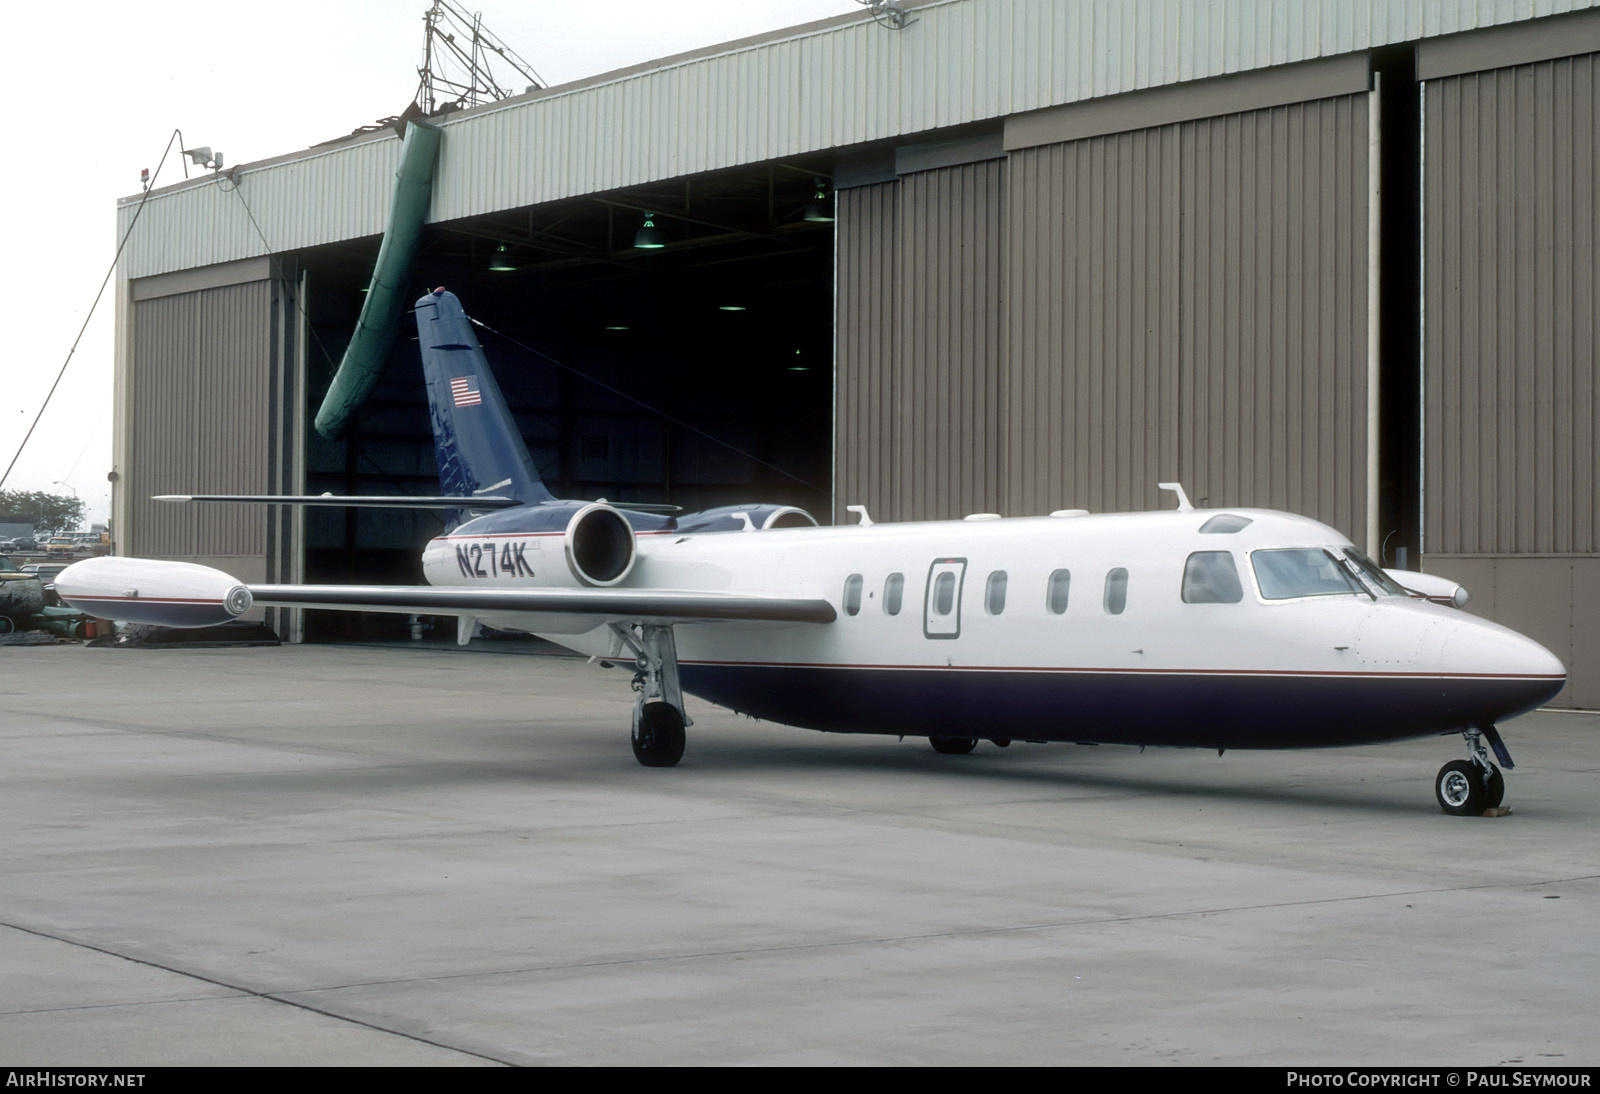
(819, 210)
(501, 262)
(648, 238)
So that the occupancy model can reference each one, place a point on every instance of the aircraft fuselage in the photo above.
(1064, 628)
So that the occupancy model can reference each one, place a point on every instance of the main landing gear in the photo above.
(658, 716)
(1466, 788)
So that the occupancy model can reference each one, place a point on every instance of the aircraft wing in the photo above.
(185, 594)
(616, 605)
(352, 501)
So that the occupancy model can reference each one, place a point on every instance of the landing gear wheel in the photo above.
(953, 746)
(658, 738)
(1460, 790)
(1494, 789)
(6, 624)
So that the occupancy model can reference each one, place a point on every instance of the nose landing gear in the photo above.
(1467, 788)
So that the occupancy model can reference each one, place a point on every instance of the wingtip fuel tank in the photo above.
(137, 590)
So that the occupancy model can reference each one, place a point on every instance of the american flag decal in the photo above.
(464, 389)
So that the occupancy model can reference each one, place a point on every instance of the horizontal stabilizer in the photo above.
(368, 501)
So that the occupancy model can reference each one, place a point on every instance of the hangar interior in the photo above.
(1355, 281)
(696, 374)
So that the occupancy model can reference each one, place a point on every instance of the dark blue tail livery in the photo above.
(479, 449)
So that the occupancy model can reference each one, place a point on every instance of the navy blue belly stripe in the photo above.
(1206, 709)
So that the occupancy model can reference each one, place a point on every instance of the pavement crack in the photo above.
(245, 990)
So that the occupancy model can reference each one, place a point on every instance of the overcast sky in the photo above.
(98, 90)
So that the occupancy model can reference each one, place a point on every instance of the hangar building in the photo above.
(1330, 256)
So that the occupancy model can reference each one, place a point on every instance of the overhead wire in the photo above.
(123, 242)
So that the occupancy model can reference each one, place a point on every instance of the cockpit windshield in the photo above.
(1291, 572)
(1387, 586)
(1303, 571)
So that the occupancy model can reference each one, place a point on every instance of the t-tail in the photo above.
(479, 449)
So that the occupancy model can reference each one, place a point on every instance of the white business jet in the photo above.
(1231, 628)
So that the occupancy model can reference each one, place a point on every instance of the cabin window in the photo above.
(1301, 571)
(1055, 597)
(1210, 577)
(944, 593)
(893, 592)
(994, 593)
(1116, 591)
(1223, 523)
(852, 594)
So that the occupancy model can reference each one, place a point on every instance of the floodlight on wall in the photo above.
(648, 238)
(203, 157)
(501, 262)
(819, 210)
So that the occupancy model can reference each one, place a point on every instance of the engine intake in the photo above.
(599, 545)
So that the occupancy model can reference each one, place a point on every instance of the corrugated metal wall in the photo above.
(846, 81)
(1093, 348)
(1209, 283)
(865, 394)
(1186, 301)
(919, 393)
(1512, 332)
(200, 383)
(1513, 310)
(1189, 302)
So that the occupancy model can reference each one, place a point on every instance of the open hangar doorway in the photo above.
(696, 373)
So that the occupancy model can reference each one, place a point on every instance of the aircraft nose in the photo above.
(1520, 673)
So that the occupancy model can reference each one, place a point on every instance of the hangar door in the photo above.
(1168, 284)
(1512, 334)
(207, 370)
(1189, 300)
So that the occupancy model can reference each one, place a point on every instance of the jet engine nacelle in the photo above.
(762, 516)
(599, 545)
(139, 590)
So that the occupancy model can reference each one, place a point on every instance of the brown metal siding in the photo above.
(1512, 321)
(865, 394)
(919, 290)
(951, 222)
(199, 383)
(1189, 302)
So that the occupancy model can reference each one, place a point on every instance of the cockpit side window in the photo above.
(1290, 572)
(1210, 577)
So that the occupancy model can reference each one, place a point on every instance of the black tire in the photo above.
(6, 624)
(1494, 788)
(953, 746)
(1460, 790)
(659, 738)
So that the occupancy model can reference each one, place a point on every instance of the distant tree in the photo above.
(48, 513)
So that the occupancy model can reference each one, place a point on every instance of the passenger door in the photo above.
(941, 603)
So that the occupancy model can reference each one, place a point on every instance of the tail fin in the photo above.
(479, 448)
